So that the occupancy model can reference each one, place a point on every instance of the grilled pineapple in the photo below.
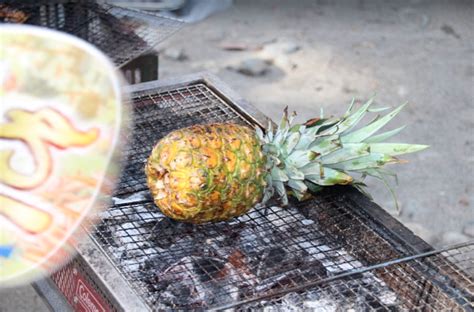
(207, 172)
(218, 171)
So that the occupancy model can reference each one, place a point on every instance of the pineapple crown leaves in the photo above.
(328, 151)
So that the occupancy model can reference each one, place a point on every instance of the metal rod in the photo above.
(343, 275)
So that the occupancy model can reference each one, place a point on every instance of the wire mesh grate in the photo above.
(417, 283)
(288, 258)
(123, 34)
(165, 112)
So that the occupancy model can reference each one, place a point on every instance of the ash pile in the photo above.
(183, 266)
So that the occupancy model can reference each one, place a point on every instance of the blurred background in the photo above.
(313, 54)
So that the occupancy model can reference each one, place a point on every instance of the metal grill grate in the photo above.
(441, 281)
(165, 112)
(295, 255)
(123, 34)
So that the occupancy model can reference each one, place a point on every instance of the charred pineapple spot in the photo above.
(210, 156)
(235, 143)
(197, 179)
(235, 191)
(219, 178)
(231, 160)
(214, 142)
(195, 142)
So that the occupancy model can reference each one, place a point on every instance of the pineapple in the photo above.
(218, 171)
(207, 172)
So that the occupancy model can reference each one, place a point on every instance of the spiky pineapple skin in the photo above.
(207, 172)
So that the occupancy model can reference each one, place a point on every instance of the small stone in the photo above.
(277, 48)
(448, 30)
(464, 201)
(253, 67)
(469, 229)
(176, 54)
(307, 222)
(290, 47)
(451, 238)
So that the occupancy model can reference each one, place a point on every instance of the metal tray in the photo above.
(338, 251)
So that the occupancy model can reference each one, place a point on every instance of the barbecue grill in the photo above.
(127, 36)
(336, 252)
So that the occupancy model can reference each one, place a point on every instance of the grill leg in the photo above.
(143, 68)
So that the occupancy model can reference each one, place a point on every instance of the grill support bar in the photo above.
(347, 274)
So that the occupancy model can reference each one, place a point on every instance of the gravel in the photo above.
(252, 67)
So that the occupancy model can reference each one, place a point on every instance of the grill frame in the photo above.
(118, 290)
(398, 231)
(128, 36)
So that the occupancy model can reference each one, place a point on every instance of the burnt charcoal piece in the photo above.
(314, 270)
(285, 268)
(274, 256)
(208, 268)
(277, 259)
(194, 282)
(105, 229)
(166, 232)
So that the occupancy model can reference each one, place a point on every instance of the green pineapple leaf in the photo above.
(329, 176)
(322, 152)
(297, 185)
(374, 160)
(384, 136)
(347, 152)
(352, 120)
(365, 132)
(394, 149)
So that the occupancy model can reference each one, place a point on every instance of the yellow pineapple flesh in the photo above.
(207, 172)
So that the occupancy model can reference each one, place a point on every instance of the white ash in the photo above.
(307, 222)
(135, 197)
(150, 247)
(119, 213)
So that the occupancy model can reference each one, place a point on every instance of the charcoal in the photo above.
(166, 232)
(187, 266)
(208, 268)
(106, 228)
(195, 281)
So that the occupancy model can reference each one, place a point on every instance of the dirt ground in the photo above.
(321, 54)
(420, 52)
